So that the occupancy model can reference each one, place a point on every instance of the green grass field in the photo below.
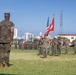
(27, 62)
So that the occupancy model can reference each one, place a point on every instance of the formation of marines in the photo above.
(25, 45)
(54, 46)
(46, 46)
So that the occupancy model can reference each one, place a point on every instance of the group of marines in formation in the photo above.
(46, 46)
(25, 45)
(54, 46)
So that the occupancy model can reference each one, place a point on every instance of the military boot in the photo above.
(6, 66)
(1, 65)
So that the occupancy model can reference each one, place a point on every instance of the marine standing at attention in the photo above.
(6, 38)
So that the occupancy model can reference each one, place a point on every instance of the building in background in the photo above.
(71, 37)
(15, 33)
(29, 36)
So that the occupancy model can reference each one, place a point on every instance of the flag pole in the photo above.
(54, 25)
(46, 33)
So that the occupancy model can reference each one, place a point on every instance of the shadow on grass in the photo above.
(10, 64)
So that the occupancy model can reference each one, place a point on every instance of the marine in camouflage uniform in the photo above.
(59, 46)
(52, 47)
(40, 43)
(15, 44)
(55, 47)
(66, 45)
(46, 46)
(6, 38)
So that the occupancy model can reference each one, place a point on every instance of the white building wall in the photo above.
(70, 37)
(29, 36)
(15, 33)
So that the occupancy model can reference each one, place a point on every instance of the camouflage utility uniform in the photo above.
(40, 43)
(66, 46)
(59, 46)
(46, 46)
(6, 38)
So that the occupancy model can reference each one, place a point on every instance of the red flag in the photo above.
(50, 28)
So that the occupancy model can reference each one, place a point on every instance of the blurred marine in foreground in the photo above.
(6, 38)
